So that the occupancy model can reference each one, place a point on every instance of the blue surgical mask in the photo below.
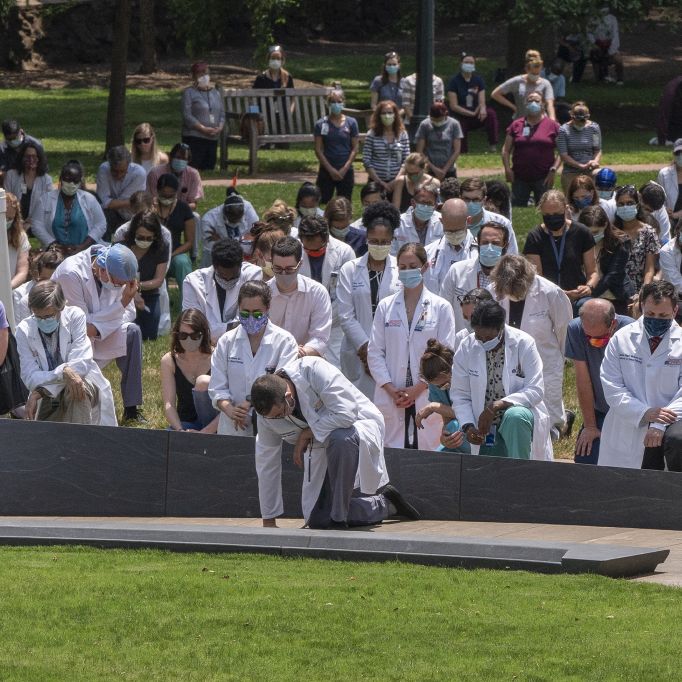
(605, 194)
(110, 285)
(392, 69)
(598, 236)
(656, 326)
(439, 395)
(423, 211)
(410, 278)
(492, 344)
(474, 207)
(47, 325)
(468, 68)
(336, 108)
(178, 165)
(626, 213)
(340, 233)
(582, 203)
(489, 254)
(533, 107)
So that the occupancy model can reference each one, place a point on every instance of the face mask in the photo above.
(489, 254)
(455, 238)
(410, 278)
(392, 69)
(553, 221)
(474, 207)
(387, 119)
(252, 325)
(605, 194)
(415, 177)
(534, 108)
(438, 123)
(626, 213)
(166, 202)
(307, 212)
(492, 344)
(467, 68)
(110, 286)
(440, 393)
(285, 281)
(423, 211)
(582, 203)
(656, 326)
(225, 283)
(178, 165)
(190, 345)
(247, 247)
(599, 341)
(141, 244)
(232, 219)
(275, 64)
(533, 77)
(678, 160)
(598, 235)
(69, 188)
(47, 325)
(16, 142)
(316, 253)
(340, 233)
(475, 229)
(203, 81)
(267, 270)
(336, 108)
(378, 252)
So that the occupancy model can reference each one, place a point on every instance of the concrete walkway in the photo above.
(669, 573)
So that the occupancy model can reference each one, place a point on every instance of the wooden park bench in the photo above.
(255, 118)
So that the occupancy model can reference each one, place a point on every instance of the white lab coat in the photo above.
(214, 220)
(667, 178)
(442, 255)
(14, 183)
(546, 315)
(306, 313)
(670, 258)
(328, 401)
(43, 215)
(521, 378)
(354, 298)
(102, 309)
(407, 232)
(393, 345)
(234, 367)
(199, 291)
(76, 351)
(20, 301)
(633, 381)
(337, 254)
(460, 278)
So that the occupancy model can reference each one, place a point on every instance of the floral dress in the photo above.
(644, 243)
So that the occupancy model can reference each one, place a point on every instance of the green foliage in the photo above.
(5, 9)
(265, 15)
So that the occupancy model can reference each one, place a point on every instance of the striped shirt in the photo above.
(581, 145)
(385, 158)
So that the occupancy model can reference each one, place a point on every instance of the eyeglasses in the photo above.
(195, 336)
(256, 314)
(285, 271)
(143, 140)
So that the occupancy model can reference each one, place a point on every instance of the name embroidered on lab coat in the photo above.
(630, 357)
(673, 361)
(235, 359)
(393, 323)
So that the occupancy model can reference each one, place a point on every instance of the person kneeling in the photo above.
(497, 390)
(338, 437)
(57, 365)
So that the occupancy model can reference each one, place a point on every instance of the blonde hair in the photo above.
(338, 208)
(17, 229)
(552, 195)
(533, 57)
(146, 130)
(416, 159)
(281, 215)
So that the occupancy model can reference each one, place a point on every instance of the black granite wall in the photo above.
(67, 470)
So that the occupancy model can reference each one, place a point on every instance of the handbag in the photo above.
(13, 393)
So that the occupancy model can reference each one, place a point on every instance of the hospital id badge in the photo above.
(325, 129)
(211, 119)
(490, 438)
(526, 131)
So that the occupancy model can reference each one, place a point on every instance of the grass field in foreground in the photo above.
(83, 614)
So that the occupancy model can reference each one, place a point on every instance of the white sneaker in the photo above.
(654, 141)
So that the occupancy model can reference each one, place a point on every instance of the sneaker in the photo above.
(132, 416)
(654, 141)
(402, 506)
(568, 428)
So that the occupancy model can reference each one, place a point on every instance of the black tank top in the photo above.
(184, 399)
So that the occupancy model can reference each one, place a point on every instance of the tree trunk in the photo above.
(147, 36)
(119, 69)
(535, 35)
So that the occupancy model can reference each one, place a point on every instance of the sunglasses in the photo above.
(463, 300)
(143, 140)
(256, 314)
(195, 336)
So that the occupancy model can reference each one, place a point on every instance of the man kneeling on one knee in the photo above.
(338, 438)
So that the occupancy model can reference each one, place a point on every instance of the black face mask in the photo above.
(233, 217)
(553, 221)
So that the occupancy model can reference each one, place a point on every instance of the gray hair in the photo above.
(47, 294)
(118, 155)
(512, 276)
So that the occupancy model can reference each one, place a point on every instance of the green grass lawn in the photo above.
(73, 613)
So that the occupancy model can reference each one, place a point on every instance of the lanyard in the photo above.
(558, 254)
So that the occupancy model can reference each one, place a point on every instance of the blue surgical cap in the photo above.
(119, 261)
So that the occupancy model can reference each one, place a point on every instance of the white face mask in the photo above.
(69, 188)
(456, 238)
(307, 212)
(378, 252)
(275, 64)
(204, 81)
(191, 344)
(492, 344)
(142, 244)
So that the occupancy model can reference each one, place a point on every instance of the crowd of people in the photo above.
(421, 324)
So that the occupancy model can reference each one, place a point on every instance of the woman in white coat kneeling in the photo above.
(256, 347)
(403, 324)
(56, 362)
(363, 282)
(497, 390)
